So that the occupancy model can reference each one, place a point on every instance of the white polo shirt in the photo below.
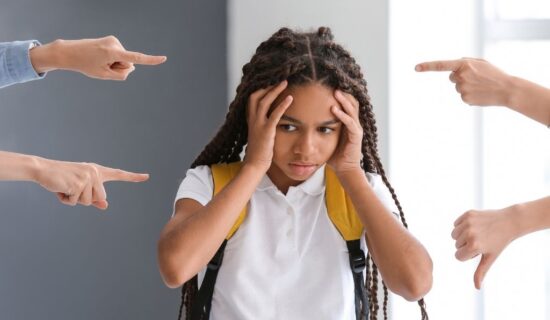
(286, 260)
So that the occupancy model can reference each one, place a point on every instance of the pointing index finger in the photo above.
(440, 65)
(109, 174)
(140, 58)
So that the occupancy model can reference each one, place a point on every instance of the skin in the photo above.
(488, 232)
(309, 125)
(103, 58)
(73, 183)
(77, 183)
(482, 84)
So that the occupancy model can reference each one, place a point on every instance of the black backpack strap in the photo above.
(357, 264)
(201, 306)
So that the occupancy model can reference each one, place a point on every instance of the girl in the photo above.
(302, 105)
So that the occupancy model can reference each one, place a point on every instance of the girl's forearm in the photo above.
(187, 245)
(403, 262)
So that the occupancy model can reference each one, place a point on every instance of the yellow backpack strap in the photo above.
(344, 217)
(340, 208)
(223, 173)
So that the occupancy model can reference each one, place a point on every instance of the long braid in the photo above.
(374, 292)
(300, 58)
(385, 306)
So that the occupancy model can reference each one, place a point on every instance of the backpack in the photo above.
(342, 214)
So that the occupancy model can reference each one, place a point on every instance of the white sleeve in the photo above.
(197, 185)
(382, 192)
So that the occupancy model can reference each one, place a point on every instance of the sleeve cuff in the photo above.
(19, 62)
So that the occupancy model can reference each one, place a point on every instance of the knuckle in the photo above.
(111, 38)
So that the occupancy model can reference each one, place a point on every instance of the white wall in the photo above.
(433, 144)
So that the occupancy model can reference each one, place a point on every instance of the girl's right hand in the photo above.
(261, 127)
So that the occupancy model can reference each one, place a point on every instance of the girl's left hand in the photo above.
(347, 155)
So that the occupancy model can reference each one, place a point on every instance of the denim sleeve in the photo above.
(15, 63)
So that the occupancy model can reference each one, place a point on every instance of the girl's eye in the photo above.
(287, 127)
(326, 130)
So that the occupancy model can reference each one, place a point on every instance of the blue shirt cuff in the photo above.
(19, 63)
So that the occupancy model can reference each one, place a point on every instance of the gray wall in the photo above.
(60, 262)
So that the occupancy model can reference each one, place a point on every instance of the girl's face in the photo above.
(307, 135)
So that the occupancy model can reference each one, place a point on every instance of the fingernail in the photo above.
(418, 68)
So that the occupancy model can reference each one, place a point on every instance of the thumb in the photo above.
(484, 264)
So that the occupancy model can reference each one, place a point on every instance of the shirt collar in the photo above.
(312, 186)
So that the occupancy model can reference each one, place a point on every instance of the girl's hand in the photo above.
(485, 232)
(261, 128)
(347, 155)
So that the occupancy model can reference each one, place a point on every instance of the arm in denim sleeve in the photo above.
(15, 63)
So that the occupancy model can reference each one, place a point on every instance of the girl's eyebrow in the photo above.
(324, 123)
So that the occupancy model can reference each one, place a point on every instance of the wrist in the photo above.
(28, 168)
(46, 57)
(35, 168)
(518, 221)
(349, 173)
(515, 93)
(255, 167)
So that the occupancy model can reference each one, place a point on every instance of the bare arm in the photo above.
(71, 181)
(404, 263)
(481, 83)
(103, 58)
(488, 232)
(194, 235)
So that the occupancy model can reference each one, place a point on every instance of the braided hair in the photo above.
(300, 58)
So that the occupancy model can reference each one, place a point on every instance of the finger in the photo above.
(460, 219)
(103, 205)
(458, 88)
(343, 117)
(485, 264)
(121, 74)
(109, 174)
(270, 96)
(452, 77)
(121, 65)
(98, 192)
(457, 231)
(466, 253)
(441, 65)
(253, 100)
(350, 98)
(461, 240)
(347, 105)
(86, 195)
(63, 198)
(276, 115)
(139, 58)
(73, 199)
